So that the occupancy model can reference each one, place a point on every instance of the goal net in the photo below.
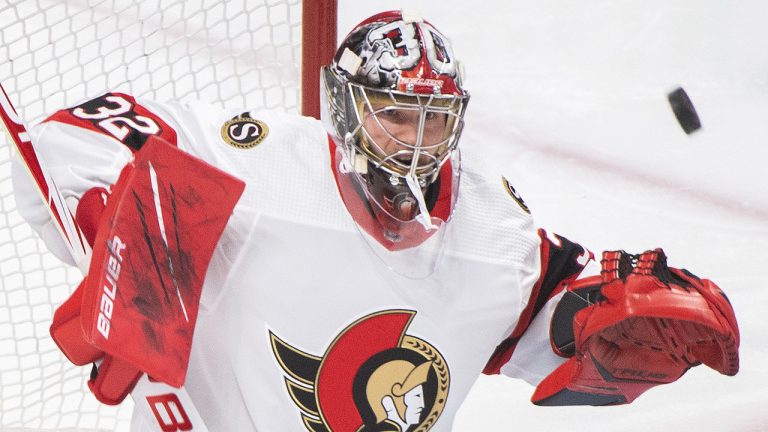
(53, 54)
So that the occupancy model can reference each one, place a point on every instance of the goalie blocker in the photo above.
(637, 325)
(135, 311)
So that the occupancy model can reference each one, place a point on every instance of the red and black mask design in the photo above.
(393, 102)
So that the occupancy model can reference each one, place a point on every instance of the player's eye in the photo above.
(390, 114)
(434, 119)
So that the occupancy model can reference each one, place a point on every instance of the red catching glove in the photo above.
(637, 325)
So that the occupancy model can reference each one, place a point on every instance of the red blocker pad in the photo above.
(163, 220)
(67, 331)
(647, 327)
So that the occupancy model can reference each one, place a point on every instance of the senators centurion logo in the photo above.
(244, 132)
(373, 377)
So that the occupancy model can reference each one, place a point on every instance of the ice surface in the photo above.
(570, 99)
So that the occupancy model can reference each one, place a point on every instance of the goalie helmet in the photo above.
(393, 102)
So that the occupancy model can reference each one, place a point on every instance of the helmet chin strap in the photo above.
(423, 217)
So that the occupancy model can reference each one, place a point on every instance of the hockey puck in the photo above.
(684, 111)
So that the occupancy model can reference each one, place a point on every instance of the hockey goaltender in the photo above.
(354, 274)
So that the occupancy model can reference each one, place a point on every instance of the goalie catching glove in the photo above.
(637, 325)
(135, 311)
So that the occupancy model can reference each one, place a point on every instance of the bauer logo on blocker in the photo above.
(112, 273)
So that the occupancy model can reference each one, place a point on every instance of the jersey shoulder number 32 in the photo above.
(118, 116)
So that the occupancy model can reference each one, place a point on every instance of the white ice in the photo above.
(569, 97)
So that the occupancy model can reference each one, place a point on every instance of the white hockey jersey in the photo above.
(301, 325)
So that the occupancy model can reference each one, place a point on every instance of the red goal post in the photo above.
(53, 54)
(318, 43)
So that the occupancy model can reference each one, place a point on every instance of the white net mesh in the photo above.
(57, 53)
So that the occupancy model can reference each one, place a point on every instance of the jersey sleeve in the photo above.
(82, 148)
(526, 353)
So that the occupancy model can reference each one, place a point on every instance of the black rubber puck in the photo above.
(684, 111)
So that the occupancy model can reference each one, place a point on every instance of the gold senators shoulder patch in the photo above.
(244, 132)
(515, 195)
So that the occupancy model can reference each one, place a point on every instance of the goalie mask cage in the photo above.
(54, 54)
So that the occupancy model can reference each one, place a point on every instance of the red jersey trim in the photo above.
(560, 265)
